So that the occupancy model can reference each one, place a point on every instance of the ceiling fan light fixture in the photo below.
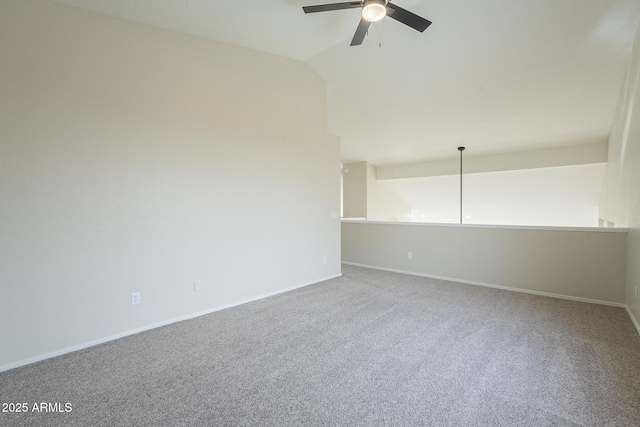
(374, 10)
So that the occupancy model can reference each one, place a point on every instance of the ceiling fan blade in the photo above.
(361, 31)
(411, 19)
(332, 6)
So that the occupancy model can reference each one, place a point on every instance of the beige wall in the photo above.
(580, 264)
(621, 197)
(383, 204)
(354, 190)
(134, 159)
(366, 197)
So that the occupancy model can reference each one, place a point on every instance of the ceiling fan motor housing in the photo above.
(374, 10)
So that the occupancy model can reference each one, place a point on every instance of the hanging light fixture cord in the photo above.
(461, 149)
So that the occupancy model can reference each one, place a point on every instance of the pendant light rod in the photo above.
(461, 149)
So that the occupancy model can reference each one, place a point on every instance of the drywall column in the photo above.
(354, 187)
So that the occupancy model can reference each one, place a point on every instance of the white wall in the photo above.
(566, 155)
(559, 196)
(621, 195)
(575, 263)
(383, 204)
(134, 159)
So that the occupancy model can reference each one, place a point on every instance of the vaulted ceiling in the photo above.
(496, 75)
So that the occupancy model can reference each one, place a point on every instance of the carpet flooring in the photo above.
(371, 348)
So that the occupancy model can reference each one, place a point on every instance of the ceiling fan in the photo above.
(373, 11)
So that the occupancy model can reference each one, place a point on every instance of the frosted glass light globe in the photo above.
(374, 12)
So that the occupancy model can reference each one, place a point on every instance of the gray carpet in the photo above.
(370, 348)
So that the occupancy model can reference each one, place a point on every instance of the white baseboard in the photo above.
(489, 285)
(156, 325)
(633, 319)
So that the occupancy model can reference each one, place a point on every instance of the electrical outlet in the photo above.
(197, 286)
(410, 255)
(324, 259)
(135, 298)
(636, 291)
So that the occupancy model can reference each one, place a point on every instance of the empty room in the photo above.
(290, 213)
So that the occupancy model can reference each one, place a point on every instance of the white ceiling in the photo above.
(495, 75)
